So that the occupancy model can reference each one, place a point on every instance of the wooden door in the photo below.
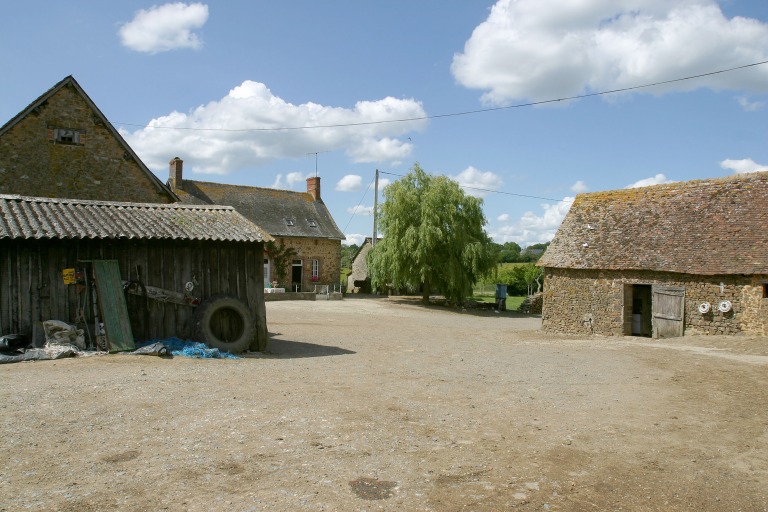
(668, 305)
(114, 311)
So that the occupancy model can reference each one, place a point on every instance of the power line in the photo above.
(354, 211)
(456, 114)
(498, 191)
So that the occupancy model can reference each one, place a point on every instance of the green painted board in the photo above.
(114, 311)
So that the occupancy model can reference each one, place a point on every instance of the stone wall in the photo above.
(328, 254)
(96, 166)
(595, 302)
(754, 300)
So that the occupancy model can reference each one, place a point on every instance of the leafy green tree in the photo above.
(509, 253)
(532, 274)
(433, 238)
(533, 252)
(347, 252)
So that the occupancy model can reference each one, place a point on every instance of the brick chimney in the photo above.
(313, 187)
(175, 179)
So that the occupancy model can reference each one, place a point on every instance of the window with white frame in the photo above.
(315, 270)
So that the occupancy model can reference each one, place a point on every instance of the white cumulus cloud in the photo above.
(743, 166)
(579, 187)
(549, 49)
(246, 128)
(534, 228)
(291, 179)
(349, 183)
(477, 183)
(165, 27)
(354, 239)
(659, 179)
(750, 106)
(365, 211)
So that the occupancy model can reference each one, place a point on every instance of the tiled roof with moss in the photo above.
(704, 227)
(282, 213)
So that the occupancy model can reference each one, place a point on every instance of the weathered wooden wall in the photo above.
(32, 288)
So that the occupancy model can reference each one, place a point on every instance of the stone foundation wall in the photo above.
(587, 302)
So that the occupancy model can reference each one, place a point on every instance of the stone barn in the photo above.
(358, 280)
(662, 261)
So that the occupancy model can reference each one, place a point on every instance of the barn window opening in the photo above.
(67, 136)
(765, 290)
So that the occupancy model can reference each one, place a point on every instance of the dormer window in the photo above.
(289, 222)
(312, 223)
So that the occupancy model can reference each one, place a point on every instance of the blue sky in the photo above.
(254, 93)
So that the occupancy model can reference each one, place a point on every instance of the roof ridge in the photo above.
(231, 185)
(97, 202)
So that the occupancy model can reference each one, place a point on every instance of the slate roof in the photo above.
(282, 213)
(70, 81)
(703, 227)
(45, 218)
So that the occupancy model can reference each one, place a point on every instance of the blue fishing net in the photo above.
(187, 348)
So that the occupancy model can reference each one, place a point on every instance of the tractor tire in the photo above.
(225, 323)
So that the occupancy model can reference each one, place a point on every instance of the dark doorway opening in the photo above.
(642, 310)
(296, 275)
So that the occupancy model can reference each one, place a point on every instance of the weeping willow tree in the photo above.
(432, 238)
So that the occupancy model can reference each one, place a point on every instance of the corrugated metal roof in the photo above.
(704, 227)
(46, 218)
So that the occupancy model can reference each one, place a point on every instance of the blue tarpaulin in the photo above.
(187, 348)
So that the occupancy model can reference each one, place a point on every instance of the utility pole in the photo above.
(375, 206)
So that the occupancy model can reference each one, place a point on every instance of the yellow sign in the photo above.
(69, 276)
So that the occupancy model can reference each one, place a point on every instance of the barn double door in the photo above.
(668, 310)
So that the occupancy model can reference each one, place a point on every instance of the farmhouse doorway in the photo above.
(296, 275)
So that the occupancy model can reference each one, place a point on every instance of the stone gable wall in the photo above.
(96, 168)
(585, 302)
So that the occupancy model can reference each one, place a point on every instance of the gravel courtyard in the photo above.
(382, 404)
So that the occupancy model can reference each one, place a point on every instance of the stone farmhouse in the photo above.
(662, 261)
(299, 220)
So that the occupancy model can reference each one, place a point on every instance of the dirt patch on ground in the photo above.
(385, 405)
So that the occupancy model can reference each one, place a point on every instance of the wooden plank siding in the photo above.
(32, 287)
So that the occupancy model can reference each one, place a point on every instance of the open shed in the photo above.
(173, 263)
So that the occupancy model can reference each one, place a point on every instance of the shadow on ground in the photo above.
(475, 309)
(297, 349)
